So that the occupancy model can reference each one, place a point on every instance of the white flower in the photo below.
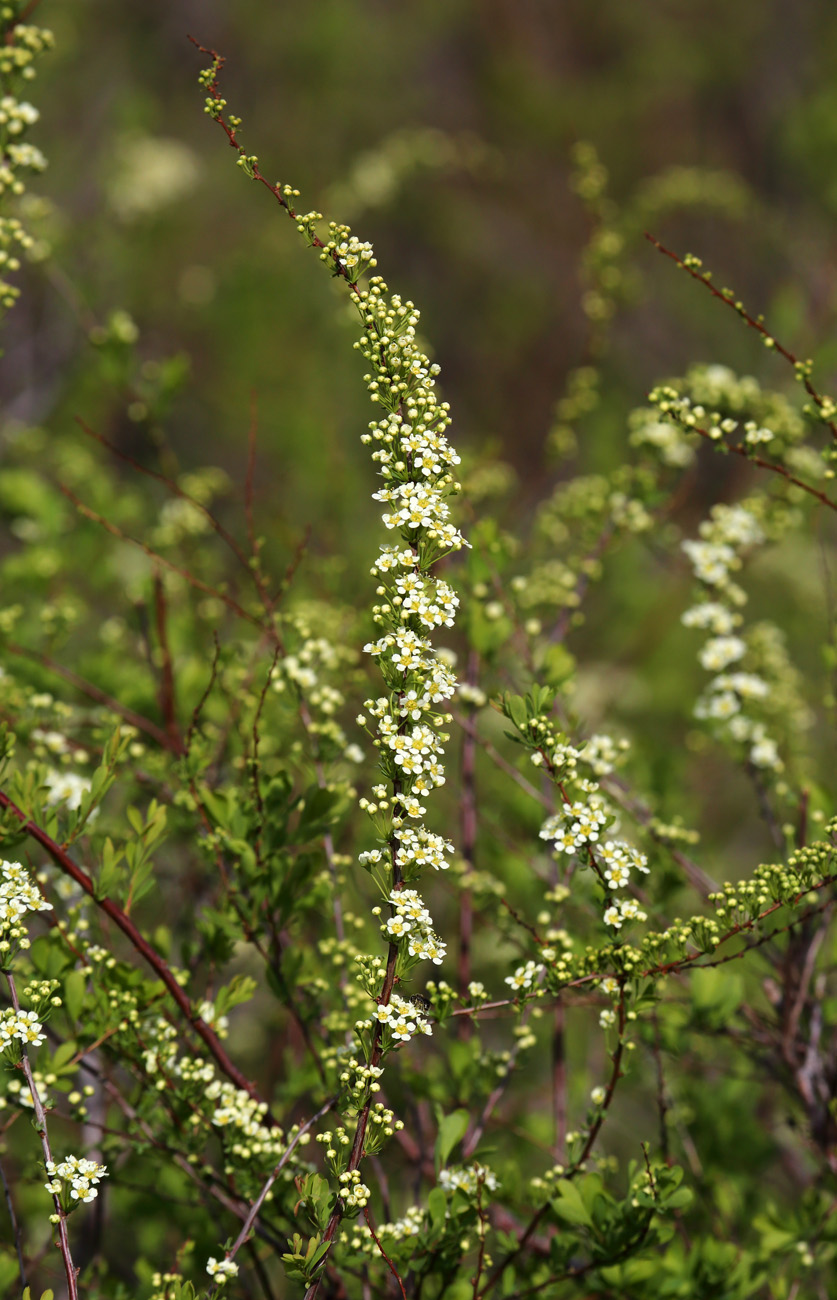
(66, 788)
(766, 754)
(721, 651)
(524, 976)
(732, 525)
(711, 561)
(712, 615)
(220, 1270)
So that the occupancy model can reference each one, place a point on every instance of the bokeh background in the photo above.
(442, 130)
(177, 301)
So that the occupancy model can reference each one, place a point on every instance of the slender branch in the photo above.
(149, 954)
(247, 1226)
(198, 709)
(41, 1128)
(559, 1082)
(172, 486)
(92, 692)
(753, 323)
(115, 531)
(367, 1216)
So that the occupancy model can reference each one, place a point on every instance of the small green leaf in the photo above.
(451, 1130)
(437, 1207)
(75, 985)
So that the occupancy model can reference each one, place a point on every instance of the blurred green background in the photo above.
(474, 218)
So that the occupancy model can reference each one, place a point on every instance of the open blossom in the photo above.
(19, 895)
(401, 1018)
(468, 1179)
(22, 1027)
(77, 1176)
(623, 909)
(721, 651)
(575, 826)
(221, 1269)
(711, 561)
(711, 614)
(617, 859)
(412, 922)
(67, 788)
(525, 976)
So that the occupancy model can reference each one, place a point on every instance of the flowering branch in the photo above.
(142, 946)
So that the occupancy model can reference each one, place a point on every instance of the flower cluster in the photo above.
(576, 830)
(20, 45)
(75, 1179)
(469, 1179)
(67, 789)
(240, 1118)
(402, 1019)
(20, 1027)
(524, 977)
(411, 924)
(18, 897)
(221, 1269)
(728, 530)
(415, 463)
(309, 671)
(353, 1193)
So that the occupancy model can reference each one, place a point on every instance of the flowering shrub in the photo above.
(311, 1044)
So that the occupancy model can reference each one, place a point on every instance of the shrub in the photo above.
(274, 1030)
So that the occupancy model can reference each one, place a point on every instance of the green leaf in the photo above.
(437, 1207)
(240, 989)
(452, 1129)
(63, 1053)
(569, 1206)
(75, 986)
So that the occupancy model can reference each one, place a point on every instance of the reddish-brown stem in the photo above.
(615, 1076)
(559, 1083)
(367, 1216)
(741, 449)
(172, 486)
(198, 709)
(757, 325)
(141, 945)
(159, 559)
(483, 1221)
(93, 693)
(592, 1134)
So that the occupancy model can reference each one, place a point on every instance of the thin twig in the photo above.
(383, 1253)
(149, 954)
(247, 1226)
(757, 325)
(41, 1128)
